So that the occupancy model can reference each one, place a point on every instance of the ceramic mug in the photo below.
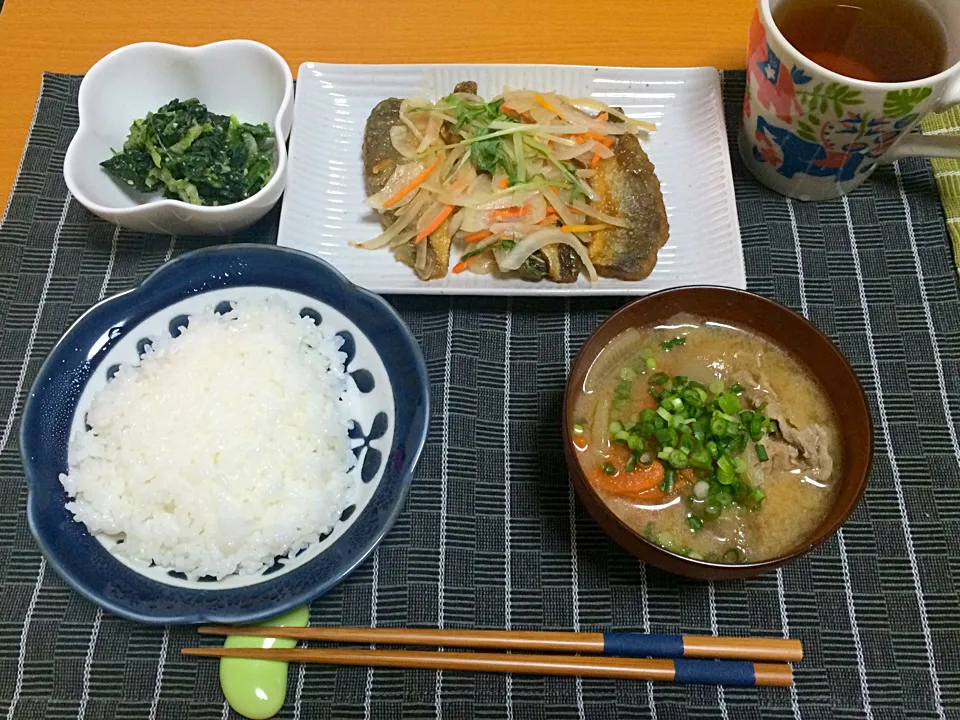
(812, 134)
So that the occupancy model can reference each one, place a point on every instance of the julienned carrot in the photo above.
(603, 117)
(503, 182)
(602, 139)
(412, 185)
(594, 161)
(545, 103)
(435, 223)
(510, 213)
(463, 264)
(582, 228)
(477, 236)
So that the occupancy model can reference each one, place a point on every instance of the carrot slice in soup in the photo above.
(627, 484)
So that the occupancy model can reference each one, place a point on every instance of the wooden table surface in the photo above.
(69, 36)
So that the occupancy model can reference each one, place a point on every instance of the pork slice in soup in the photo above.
(709, 440)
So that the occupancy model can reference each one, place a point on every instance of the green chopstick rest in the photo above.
(256, 689)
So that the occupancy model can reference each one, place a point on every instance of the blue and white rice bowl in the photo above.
(387, 395)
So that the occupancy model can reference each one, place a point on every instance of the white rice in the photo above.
(225, 448)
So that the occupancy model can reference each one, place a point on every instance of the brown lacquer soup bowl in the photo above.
(773, 437)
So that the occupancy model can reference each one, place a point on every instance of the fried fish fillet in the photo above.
(626, 184)
(380, 159)
(628, 188)
(559, 263)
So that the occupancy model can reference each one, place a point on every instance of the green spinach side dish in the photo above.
(194, 155)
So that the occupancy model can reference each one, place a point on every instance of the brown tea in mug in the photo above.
(877, 40)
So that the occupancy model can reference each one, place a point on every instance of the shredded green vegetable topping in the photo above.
(702, 428)
(194, 155)
(669, 345)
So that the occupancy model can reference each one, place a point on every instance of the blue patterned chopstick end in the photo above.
(715, 672)
(643, 645)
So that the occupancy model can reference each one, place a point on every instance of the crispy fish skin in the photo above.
(467, 86)
(567, 268)
(440, 242)
(380, 159)
(628, 188)
(559, 263)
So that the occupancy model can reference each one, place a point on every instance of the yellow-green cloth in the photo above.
(947, 173)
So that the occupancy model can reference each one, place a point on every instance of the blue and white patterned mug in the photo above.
(812, 134)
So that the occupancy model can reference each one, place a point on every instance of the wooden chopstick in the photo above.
(709, 672)
(611, 644)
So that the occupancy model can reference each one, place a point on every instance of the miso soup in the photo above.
(709, 440)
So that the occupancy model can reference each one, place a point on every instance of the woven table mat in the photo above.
(491, 535)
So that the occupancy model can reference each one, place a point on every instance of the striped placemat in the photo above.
(491, 535)
(947, 174)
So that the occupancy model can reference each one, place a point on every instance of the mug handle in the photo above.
(937, 146)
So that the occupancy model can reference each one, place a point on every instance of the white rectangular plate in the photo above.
(323, 208)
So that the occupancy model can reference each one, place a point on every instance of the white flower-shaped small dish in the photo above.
(238, 77)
